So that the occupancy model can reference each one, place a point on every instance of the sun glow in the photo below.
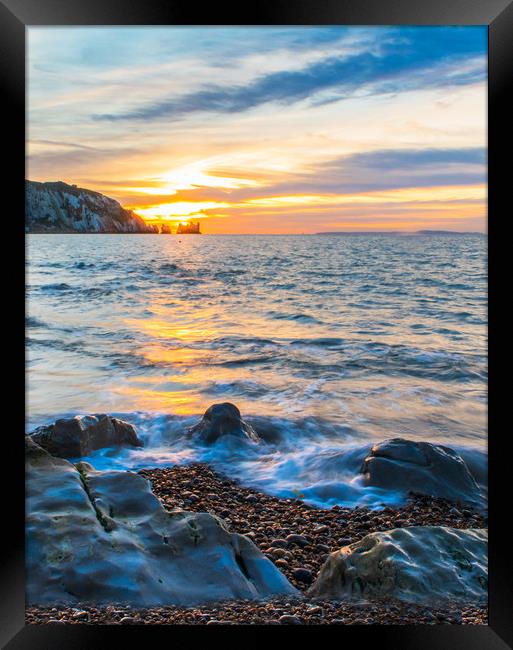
(456, 202)
(192, 176)
(411, 194)
(181, 211)
(195, 175)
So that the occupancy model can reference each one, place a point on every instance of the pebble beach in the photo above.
(297, 538)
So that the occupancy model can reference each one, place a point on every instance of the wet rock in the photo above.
(223, 420)
(102, 537)
(421, 467)
(425, 564)
(82, 434)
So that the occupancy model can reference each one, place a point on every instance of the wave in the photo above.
(83, 265)
(58, 286)
(304, 318)
(309, 458)
(30, 321)
(295, 357)
(167, 267)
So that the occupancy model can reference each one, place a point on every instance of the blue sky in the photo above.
(259, 129)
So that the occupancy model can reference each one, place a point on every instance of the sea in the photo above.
(326, 343)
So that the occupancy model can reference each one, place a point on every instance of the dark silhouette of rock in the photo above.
(82, 434)
(422, 467)
(425, 564)
(102, 538)
(222, 420)
(188, 229)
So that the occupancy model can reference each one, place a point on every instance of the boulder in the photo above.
(223, 420)
(424, 564)
(82, 434)
(409, 466)
(102, 537)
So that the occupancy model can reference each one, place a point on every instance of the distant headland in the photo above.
(400, 233)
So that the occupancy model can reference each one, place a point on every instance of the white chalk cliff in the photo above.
(62, 208)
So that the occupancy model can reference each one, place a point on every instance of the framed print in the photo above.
(259, 275)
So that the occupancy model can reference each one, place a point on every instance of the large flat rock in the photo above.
(103, 538)
(425, 564)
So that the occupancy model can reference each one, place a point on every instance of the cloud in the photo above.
(401, 168)
(408, 59)
(71, 157)
(372, 171)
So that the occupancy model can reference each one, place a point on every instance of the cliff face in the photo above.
(61, 208)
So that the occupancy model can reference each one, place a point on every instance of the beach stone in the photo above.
(299, 540)
(421, 467)
(279, 543)
(423, 564)
(283, 564)
(221, 420)
(321, 529)
(82, 434)
(103, 538)
(288, 619)
(303, 575)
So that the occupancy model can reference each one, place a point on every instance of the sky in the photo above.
(266, 129)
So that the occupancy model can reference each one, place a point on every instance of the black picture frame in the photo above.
(15, 16)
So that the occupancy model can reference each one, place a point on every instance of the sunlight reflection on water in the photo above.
(383, 336)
